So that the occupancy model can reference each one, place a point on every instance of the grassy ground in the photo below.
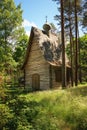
(48, 110)
(57, 109)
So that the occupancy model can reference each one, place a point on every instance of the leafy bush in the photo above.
(5, 115)
(2, 93)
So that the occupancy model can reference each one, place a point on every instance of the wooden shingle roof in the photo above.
(50, 47)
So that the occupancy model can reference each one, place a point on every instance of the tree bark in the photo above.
(70, 31)
(76, 43)
(63, 46)
(79, 60)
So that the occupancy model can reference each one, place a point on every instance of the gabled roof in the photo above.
(50, 47)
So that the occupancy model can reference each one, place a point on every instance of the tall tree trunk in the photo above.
(76, 43)
(79, 60)
(63, 45)
(70, 31)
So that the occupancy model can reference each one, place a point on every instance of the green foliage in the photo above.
(84, 20)
(10, 21)
(13, 39)
(83, 48)
(5, 115)
(20, 48)
(83, 55)
(9, 17)
(69, 18)
(2, 93)
(47, 110)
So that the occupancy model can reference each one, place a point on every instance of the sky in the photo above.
(35, 12)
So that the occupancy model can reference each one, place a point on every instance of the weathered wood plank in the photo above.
(37, 64)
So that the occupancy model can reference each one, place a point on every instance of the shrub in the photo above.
(5, 115)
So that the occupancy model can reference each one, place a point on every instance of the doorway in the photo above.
(36, 82)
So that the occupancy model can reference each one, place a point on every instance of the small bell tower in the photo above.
(47, 27)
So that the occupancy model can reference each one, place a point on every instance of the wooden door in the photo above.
(36, 82)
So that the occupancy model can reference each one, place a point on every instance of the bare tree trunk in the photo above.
(63, 46)
(79, 60)
(71, 44)
(76, 42)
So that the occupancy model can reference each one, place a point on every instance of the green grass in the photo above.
(49, 110)
(56, 109)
